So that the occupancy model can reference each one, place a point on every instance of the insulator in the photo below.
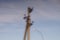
(25, 17)
(31, 24)
(30, 9)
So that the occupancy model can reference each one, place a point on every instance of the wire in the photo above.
(39, 33)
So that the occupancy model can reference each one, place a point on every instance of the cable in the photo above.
(39, 33)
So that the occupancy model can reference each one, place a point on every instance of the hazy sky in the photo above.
(46, 17)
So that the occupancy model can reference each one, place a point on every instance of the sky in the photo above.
(45, 14)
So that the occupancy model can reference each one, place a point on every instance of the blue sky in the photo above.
(46, 17)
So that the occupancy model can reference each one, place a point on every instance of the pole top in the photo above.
(30, 9)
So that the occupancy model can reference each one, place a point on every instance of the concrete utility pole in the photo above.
(28, 24)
